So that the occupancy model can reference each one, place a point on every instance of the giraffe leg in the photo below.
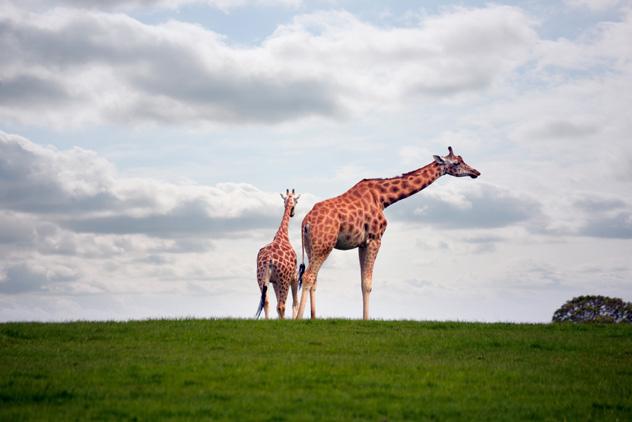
(312, 300)
(307, 278)
(309, 285)
(319, 240)
(266, 305)
(294, 285)
(367, 256)
(280, 288)
(263, 279)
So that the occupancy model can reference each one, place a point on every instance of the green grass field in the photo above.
(305, 370)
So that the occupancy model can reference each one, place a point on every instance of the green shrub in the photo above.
(598, 309)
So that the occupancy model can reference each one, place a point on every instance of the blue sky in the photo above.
(144, 144)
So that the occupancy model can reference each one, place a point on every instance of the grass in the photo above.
(314, 370)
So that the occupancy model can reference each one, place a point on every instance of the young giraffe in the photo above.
(356, 219)
(276, 263)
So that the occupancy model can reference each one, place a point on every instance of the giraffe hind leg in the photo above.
(281, 290)
(294, 286)
(262, 301)
(309, 285)
(264, 280)
(319, 241)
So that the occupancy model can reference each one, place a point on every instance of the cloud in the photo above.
(23, 277)
(70, 224)
(603, 49)
(600, 204)
(112, 5)
(618, 226)
(185, 220)
(98, 67)
(606, 217)
(564, 129)
(82, 192)
(15, 231)
(45, 180)
(23, 90)
(477, 206)
(459, 51)
(594, 5)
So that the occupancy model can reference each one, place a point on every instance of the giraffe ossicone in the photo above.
(276, 263)
(356, 219)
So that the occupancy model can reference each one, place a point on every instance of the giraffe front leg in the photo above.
(312, 300)
(281, 310)
(367, 256)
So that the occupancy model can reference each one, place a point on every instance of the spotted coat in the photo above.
(356, 219)
(276, 263)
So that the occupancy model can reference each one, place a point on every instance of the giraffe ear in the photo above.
(297, 197)
(282, 197)
(438, 159)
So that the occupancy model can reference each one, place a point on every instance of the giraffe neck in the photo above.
(282, 233)
(397, 188)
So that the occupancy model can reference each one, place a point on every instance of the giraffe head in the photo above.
(455, 166)
(290, 199)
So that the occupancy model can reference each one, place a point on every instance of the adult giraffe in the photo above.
(356, 219)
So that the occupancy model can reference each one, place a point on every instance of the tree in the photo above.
(594, 309)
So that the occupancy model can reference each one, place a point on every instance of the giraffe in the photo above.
(276, 263)
(356, 219)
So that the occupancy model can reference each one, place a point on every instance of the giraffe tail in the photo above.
(301, 270)
(264, 289)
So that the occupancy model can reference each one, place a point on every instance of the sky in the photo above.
(144, 143)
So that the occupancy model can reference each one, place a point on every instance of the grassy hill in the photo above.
(324, 369)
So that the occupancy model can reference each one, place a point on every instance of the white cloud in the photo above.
(99, 67)
(595, 5)
(78, 189)
(604, 47)
(459, 51)
(475, 206)
(125, 5)
(26, 277)
(70, 224)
